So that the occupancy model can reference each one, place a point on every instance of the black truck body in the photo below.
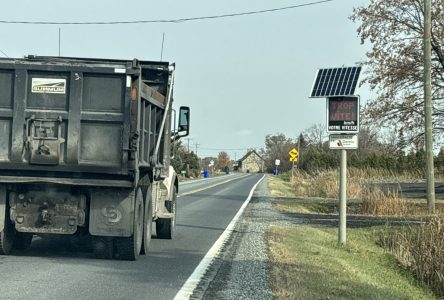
(85, 149)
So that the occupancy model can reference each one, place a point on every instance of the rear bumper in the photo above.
(68, 181)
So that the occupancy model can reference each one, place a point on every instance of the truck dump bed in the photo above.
(74, 120)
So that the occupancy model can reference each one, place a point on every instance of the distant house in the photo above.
(251, 162)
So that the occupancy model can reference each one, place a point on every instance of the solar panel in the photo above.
(334, 82)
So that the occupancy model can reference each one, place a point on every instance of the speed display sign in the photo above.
(343, 114)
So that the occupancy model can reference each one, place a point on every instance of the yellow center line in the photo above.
(209, 187)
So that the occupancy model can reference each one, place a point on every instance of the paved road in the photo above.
(413, 190)
(49, 270)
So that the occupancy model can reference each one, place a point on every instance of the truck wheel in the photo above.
(22, 240)
(165, 227)
(129, 248)
(6, 237)
(147, 220)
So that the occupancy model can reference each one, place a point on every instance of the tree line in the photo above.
(188, 164)
(376, 151)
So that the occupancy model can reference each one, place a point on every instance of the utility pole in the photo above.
(161, 51)
(197, 144)
(428, 105)
(59, 40)
(188, 141)
(299, 150)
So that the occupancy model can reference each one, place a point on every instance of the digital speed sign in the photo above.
(343, 114)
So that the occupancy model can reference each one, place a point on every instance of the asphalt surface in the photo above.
(412, 189)
(56, 269)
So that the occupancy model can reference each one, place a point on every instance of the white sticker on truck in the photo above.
(119, 70)
(48, 85)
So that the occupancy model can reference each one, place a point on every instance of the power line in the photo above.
(166, 20)
(6, 55)
(232, 149)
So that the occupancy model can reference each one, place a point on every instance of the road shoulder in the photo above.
(242, 270)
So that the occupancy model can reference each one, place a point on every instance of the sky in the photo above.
(243, 77)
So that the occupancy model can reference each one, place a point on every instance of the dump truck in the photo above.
(85, 150)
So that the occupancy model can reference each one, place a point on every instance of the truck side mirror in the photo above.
(184, 122)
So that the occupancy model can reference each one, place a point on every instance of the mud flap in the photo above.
(112, 212)
(3, 211)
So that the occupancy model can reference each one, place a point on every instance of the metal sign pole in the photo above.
(299, 151)
(343, 199)
(277, 162)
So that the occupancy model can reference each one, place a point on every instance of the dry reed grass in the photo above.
(421, 249)
(325, 184)
(370, 174)
(377, 203)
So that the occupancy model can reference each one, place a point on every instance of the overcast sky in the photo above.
(243, 77)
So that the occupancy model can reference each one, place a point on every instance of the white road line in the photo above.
(206, 179)
(209, 186)
(192, 282)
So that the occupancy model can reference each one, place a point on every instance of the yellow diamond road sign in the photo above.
(293, 153)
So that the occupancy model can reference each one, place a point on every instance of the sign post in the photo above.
(342, 234)
(338, 86)
(294, 154)
(210, 165)
(277, 162)
(343, 119)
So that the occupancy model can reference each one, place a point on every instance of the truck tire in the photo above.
(165, 227)
(22, 240)
(129, 248)
(7, 237)
(147, 220)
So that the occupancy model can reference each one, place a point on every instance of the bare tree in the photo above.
(316, 135)
(277, 147)
(223, 160)
(395, 64)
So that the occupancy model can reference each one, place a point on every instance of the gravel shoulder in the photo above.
(242, 270)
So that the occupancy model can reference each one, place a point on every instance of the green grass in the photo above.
(280, 187)
(307, 263)
(313, 206)
(305, 206)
